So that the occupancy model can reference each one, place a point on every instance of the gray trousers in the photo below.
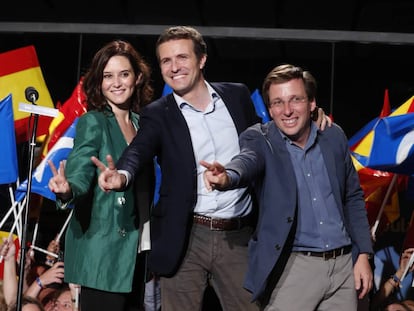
(218, 258)
(312, 283)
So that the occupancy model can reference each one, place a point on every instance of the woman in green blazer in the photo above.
(102, 238)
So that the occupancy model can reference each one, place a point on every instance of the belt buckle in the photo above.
(328, 255)
(332, 254)
(211, 225)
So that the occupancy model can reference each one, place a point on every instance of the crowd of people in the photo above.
(259, 212)
(43, 284)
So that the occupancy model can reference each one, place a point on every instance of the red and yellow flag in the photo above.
(20, 69)
(74, 107)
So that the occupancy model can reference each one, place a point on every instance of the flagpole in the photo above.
(384, 203)
(64, 226)
(10, 234)
(11, 210)
(332, 77)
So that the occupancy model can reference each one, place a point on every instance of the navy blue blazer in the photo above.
(164, 133)
(265, 160)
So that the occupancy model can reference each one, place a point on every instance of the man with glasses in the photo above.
(312, 215)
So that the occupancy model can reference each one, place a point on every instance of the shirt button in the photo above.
(121, 201)
(122, 232)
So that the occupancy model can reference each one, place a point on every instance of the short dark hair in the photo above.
(284, 73)
(184, 32)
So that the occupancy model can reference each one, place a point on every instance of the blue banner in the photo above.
(8, 156)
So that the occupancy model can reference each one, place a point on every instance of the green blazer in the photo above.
(101, 240)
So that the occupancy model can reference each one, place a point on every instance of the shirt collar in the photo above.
(312, 136)
(181, 101)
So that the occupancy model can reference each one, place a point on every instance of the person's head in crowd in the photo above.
(62, 300)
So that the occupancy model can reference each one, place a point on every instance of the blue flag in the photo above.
(392, 149)
(43, 173)
(8, 156)
(354, 140)
(260, 106)
(166, 90)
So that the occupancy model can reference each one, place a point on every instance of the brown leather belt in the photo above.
(332, 254)
(222, 224)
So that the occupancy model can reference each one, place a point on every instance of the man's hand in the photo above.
(215, 176)
(54, 274)
(109, 178)
(323, 120)
(53, 247)
(405, 259)
(363, 275)
(7, 249)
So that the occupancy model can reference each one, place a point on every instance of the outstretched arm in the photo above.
(8, 252)
(109, 178)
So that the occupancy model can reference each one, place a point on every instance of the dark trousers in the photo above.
(216, 258)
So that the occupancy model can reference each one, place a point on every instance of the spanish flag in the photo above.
(74, 107)
(20, 69)
(376, 181)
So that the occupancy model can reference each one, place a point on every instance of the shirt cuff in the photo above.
(127, 176)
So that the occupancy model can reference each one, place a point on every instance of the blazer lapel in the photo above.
(281, 155)
(175, 121)
(233, 106)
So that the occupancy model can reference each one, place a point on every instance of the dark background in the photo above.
(352, 74)
(351, 85)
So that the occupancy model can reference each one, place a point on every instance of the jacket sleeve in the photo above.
(80, 171)
(249, 163)
(353, 199)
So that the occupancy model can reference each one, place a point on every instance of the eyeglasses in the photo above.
(294, 100)
(65, 305)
